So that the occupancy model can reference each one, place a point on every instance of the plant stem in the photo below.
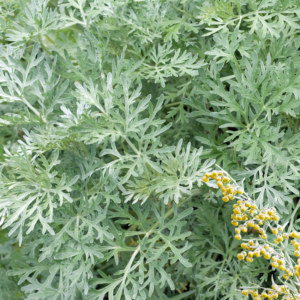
(31, 107)
(43, 46)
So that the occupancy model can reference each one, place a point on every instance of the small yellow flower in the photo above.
(281, 267)
(256, 253)
(250, 254)
(244, 229)
(238, 236)
(205, 179)
(244, 246)
(226, 179)
(256, 227)
(274, 258)
(225, 199)
(280, 261)
(250, 223)
(237, 211)
(285, 236)
(219, 184)
(274, 231)
(240, 256)
(297, 253)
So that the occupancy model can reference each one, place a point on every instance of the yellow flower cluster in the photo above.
(255, 250)
(229, 191)
(277, 291)
(247, 217)
(270, 294)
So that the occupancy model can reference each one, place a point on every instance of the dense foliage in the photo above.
(112, 111)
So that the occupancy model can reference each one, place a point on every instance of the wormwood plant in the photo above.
(112, 112)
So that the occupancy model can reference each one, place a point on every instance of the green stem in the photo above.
(172, 104)
(43, 46)
(132, 146)
(257, 116)
(184, 12)
(49, 39)
(124, 147)
(31, 107)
